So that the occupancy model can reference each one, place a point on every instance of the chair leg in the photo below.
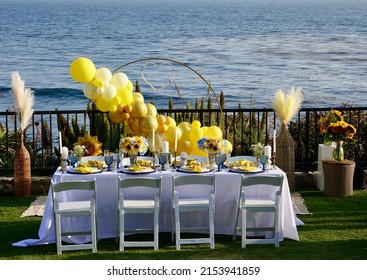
(243, 228)
(235, 224)
(211, 228)
(177, 226)
(58, 233)
(122, 230)
(156, 229)
(94, 231)
(173, 226)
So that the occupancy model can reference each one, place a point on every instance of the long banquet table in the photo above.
(227, 191)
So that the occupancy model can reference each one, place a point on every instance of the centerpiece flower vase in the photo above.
(212, 160)
(22, 171)
(285, 154)
(133, 159)
(338, 152)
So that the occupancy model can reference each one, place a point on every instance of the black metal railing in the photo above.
(242, 127)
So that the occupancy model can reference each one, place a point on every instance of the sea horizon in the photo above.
(247, 49)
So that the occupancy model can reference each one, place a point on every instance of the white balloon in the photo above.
(103, 74)
(100, 90)
(90, 91)
(119, 80)
(109, 92)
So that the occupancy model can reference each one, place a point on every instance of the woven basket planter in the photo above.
(285, 155)
(22, 171)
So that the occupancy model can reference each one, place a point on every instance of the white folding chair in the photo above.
(74, 208)
(128, 204)
(183, 203)
(259, 203)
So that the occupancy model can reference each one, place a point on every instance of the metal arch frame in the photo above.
(176, 62)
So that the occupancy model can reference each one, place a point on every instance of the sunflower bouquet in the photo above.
(135, 144)
(335, 128)
(211, 145)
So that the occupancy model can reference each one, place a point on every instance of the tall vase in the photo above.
(285, 155)
(212, 160)
(133, 159)
(338, 152)
(22, 171)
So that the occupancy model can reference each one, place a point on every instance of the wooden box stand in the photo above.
(338, 177)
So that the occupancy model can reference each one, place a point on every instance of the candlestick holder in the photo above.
(64, 165)
(274, 159)
(174, 163)
(154, 160)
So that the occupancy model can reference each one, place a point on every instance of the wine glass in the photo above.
(109, 160)
(220, 159)
(72, 158)
(118, 160)
(263, 160)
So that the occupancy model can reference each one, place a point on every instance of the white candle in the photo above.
(274, 141)
(175, 140)
(165, 147)
(153, 140)
(60, 141)
(64, 153)
(267, 151)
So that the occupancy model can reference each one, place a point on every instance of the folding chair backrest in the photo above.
(140, 182)
(207, 182)
(262, 180)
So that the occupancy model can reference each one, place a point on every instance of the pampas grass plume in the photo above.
(23, 99)
(287, 105)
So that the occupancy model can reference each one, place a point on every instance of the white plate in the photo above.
(238, 170)
(75, 171)
(186, 169)
(145, 171)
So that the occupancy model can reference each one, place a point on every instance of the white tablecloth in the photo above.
(227, 191)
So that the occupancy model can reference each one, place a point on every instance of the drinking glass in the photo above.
(72, 158)
(263, 160)
(109, 160)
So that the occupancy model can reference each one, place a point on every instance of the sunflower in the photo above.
(92, 145)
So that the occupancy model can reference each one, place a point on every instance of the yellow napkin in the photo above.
(247, 168)
(137, 168)
(84, 169)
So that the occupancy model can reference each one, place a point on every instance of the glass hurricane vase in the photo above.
(338, 152)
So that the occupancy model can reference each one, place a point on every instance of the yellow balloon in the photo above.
(116, 117)
(102, 104)
(137, 96)
(196, 134)
(228, 148)
(112, 108)
(152, 110)
(130, 86)
(195, 124)
(82, 70)
(148, 123)
(184, 146)
(126, 96)
(195, 151)
(170, 121)
(205, 129)
(139, 109)
(161, 119)
(170, 134)
(184, 126)
(214, 132)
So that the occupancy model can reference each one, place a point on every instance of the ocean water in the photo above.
(247, 49)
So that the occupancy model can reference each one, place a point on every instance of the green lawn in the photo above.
(337, 230)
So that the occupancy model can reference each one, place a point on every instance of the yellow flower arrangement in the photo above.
(335, 128)
(211, 145)
(135, 144)
(92, 145)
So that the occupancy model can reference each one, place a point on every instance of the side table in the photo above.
(338, 177)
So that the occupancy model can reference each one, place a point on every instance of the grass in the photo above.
(337, 230)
